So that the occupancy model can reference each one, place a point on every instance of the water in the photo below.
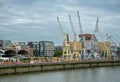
(102, 74)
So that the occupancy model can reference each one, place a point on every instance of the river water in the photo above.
(102, 74)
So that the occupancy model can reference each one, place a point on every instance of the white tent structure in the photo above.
(1, 52)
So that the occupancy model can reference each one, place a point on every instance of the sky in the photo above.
(35, 20)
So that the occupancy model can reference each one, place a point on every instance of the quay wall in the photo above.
(51, 66)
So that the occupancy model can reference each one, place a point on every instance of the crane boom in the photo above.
(116, 41)
(81, 31)
(113, 39)
(61, 29)
(80, 26)
(72, 29)
(71, 24)
(97, 29)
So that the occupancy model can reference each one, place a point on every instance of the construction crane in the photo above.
(84, 53)
(66, 46)
(76, 45)
(106, 50)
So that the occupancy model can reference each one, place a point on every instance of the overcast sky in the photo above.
(35, 20)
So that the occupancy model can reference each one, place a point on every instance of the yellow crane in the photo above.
(106, 50)
(76, 46)
(66, 46)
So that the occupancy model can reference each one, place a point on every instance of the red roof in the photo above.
(88, 36)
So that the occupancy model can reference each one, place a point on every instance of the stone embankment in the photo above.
(51, 66)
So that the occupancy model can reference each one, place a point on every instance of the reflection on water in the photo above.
(103, 74)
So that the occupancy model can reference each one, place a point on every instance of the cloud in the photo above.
(30, 20)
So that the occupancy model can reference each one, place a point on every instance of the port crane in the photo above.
(84, 53)
(76, 46)
(106, 51)
(66, 46)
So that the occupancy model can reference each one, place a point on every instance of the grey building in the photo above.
(7, 44)
(47, 48)
(36, 48)
(43, 48)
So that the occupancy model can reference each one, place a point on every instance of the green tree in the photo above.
(58, 53)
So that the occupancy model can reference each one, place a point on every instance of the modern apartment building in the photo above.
(43, 48)
(47, 48)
